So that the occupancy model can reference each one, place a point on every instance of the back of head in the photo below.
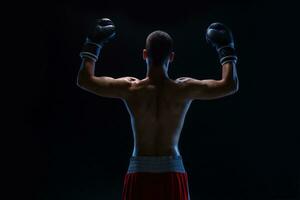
(159, 45)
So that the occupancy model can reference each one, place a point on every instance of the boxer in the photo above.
(157, 106)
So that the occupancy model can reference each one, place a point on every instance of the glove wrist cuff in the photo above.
(227, 54)
(90, 50)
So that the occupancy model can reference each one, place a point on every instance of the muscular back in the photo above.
(157, 113)
(157, 108)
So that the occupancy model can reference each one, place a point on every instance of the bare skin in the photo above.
(157, 104)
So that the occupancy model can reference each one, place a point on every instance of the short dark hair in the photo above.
(159, 45)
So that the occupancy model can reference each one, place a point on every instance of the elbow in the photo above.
(232, 86)
(82, 81)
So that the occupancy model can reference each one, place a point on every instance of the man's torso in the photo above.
(157, 113)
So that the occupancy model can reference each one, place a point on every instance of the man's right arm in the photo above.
(211, 89)
(220, 37)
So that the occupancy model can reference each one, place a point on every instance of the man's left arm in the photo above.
(103, 86)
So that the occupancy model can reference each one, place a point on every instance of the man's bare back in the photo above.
(157, 112)
(157, 106)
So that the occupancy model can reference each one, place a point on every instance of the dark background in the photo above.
(76, 145)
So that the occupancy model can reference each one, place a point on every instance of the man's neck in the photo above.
(157, 73)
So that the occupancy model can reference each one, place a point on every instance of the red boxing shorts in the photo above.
(156, 178)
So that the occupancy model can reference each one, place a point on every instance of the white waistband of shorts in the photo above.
(156, 164)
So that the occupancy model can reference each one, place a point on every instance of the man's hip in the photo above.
(156, 177)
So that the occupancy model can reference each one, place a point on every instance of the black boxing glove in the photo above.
(220, 37)
(101, 34)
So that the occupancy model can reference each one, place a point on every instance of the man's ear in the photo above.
(171, 57)
(145, 54)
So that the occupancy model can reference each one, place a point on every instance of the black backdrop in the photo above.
(241, 147)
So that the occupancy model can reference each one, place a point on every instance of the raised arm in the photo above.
(220, 37)
(103, 86)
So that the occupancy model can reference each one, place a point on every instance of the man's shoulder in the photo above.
(182, 80)
(129, 78)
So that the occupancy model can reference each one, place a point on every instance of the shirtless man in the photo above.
(157, 106)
